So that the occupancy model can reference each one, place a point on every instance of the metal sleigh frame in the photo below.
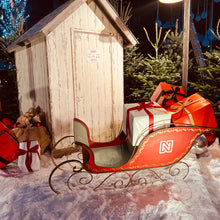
(161, 148)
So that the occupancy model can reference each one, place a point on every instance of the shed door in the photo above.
(93, 89)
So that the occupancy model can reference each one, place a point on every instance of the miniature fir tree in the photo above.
(143, 74)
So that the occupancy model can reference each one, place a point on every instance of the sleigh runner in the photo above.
(160, 148)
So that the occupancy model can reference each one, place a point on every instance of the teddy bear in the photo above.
(31, 127)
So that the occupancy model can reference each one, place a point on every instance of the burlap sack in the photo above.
(39, 134)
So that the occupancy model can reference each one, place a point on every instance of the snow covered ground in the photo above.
(29, 197)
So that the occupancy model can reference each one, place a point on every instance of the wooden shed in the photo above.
(70, 63)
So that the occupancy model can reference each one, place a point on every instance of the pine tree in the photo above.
(12, 17)
(157, 45)
(11, 27)
(143, 74)
(133, 66)
(206, 80)
(173, 48)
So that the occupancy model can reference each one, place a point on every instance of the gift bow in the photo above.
(172, 94)
(142, 105)
(183, 105)
(29, 152)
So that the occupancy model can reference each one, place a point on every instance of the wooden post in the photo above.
(186, 44)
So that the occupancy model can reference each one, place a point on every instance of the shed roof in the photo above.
(52, 20)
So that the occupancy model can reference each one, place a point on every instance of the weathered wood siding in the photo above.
(91, 91)
(21, 61)
(32, 77)
(60, 81)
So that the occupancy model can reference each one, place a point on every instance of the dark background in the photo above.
(145, 14)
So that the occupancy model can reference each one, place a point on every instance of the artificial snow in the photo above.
(29, 197)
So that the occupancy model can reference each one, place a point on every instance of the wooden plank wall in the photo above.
(32, 77)
(60, 81)
(21, 61)
(61, 68)
(40, 74)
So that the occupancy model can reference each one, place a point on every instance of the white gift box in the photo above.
(30, 153)
(139, 121)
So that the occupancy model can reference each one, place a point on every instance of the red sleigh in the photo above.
(160, 148)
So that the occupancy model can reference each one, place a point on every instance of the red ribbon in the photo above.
(29, 152)
(141, 106)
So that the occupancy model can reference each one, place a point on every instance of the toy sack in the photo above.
(8, 146)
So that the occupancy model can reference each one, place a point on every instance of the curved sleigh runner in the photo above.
(161, 148)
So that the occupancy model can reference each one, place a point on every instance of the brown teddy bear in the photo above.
(31, 127)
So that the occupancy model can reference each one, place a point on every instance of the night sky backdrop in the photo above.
(146, 13)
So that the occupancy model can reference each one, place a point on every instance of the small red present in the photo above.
(8, 146)
(193, 110)
(29, 156)
(8, 122)
(166, 94)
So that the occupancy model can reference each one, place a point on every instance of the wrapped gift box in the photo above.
(29, 156)
(8, 146)
(142, 118)
(193, 110)
(166, 94)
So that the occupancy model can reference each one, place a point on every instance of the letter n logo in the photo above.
(166, 147)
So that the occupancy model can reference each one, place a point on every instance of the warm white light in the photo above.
(169, 1)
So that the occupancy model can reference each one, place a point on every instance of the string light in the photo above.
(12, 16)
(169, 1)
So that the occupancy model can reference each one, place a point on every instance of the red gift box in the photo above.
(193, 110)
(8, 122)
(166, 94)
(8, 146)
